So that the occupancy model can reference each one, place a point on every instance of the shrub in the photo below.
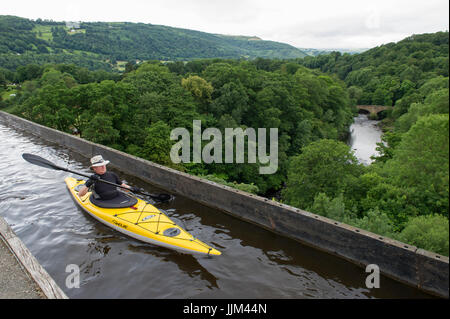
(428, 232)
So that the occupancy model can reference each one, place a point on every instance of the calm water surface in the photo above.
(254, 263)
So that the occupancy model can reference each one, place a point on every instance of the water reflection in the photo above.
(188, 264)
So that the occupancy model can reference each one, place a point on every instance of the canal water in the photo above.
(364, 136)
(255, 263)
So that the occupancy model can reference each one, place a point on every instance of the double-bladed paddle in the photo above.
(39, 161)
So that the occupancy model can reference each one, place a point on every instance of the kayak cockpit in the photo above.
(120, 201)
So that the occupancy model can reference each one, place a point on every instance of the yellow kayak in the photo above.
(140, 220)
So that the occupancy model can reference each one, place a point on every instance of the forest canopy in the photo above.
(108, 45)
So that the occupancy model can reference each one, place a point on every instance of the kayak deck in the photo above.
(142, 221)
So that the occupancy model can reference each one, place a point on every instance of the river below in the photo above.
(364, 136)
(255, 263)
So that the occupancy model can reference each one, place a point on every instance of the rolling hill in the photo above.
(102, 44)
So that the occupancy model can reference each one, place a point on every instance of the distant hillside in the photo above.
(102, 44)
(316, 52)
(385, 74)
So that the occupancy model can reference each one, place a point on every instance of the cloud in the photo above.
(373, 20)
(318, 23)
(365, 26)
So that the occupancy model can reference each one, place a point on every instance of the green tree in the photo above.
(435, 103)
(330, 208)
(420, 164)
(427, 232)
(157, 143)
(100, 130)
(232, 100)
(386, 147)
(3, 80)
(374, 221)
(28, 72)
(382, 96)
(199, 88)
(325, 166)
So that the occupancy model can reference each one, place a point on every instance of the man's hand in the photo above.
(134, 189)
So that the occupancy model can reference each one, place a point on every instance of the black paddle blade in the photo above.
(161, 197)
(39, 161)
(156, 197)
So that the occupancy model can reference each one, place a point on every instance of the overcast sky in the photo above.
(306, 24)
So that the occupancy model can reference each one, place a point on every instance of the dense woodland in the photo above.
(403, 194)
(385, 74)
(102, 45)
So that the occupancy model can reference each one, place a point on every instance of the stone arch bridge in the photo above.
(373, 109)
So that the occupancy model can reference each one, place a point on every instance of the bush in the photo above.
(249, 188)
(427, 232)
(376, 222)
(330, 208)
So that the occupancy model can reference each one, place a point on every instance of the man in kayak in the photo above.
(105, 191)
